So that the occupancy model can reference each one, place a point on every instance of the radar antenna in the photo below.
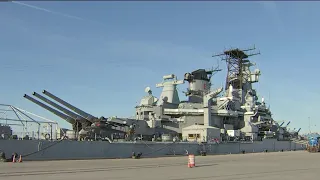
(148, 90)
(213, 71)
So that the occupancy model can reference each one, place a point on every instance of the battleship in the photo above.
(229, 119)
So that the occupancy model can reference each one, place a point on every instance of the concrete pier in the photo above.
(294, 165)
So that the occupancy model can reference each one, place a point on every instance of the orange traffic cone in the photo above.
(191, 161)
(20, 159)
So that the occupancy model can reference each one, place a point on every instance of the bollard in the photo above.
(133, 155)
(138, 155)
(203, 153)
(20, 159)
(191, 161)
(14, 159)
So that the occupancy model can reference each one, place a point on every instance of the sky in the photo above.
(100, 56)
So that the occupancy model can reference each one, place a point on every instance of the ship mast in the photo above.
(235, 59)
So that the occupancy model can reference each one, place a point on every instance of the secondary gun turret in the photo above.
(207, 105)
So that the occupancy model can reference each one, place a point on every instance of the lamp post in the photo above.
(309, 125)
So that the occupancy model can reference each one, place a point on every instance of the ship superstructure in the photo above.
(232, 112)
(235, 114)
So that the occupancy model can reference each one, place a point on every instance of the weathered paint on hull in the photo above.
(66, 150)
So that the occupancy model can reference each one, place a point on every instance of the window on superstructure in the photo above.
(192, 136)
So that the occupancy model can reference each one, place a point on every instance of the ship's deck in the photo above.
(259, 166)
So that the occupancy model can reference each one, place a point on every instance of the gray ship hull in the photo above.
(75, 150)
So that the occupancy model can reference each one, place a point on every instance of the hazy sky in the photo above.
(99, 56)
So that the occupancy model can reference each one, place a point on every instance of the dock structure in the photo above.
(258, 166)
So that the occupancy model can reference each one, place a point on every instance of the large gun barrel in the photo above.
(69, 113)
(82, 113)
(288, 123)
(298, 130)
(63, 116)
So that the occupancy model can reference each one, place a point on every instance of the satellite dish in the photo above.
(147, 89)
